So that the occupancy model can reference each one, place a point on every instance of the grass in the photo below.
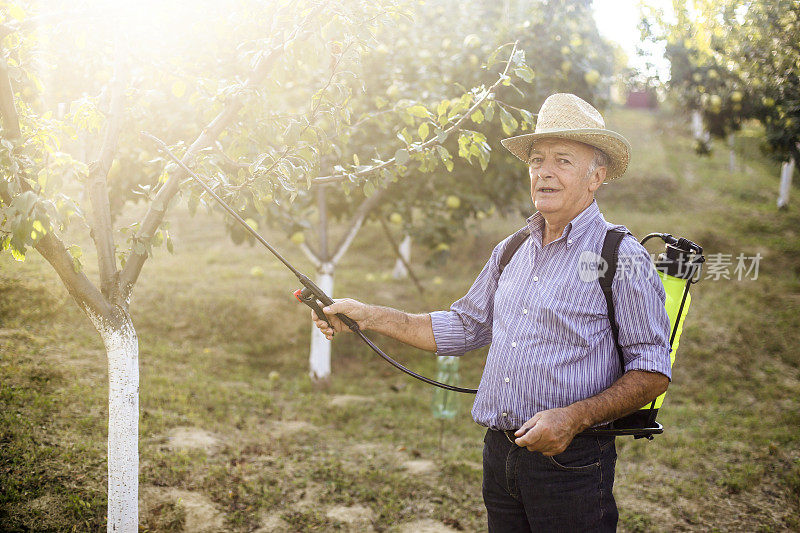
(282, 453)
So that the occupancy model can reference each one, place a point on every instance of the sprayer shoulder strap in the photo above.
(513, 245)
(610, 254)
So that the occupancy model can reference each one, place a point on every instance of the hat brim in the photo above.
(615, 146)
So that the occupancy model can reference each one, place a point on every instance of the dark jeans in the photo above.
(528, 492)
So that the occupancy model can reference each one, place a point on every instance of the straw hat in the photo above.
(565, 116)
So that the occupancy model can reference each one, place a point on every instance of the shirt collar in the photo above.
(573, 229)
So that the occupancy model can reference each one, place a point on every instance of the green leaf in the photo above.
(405, 136)
(39, 227)
(369, 189)
(41, 177)
(292, 132)
(401, 156)
(477, 116)
(75, 251)
(488, 113)
(418, 111)
(528, 117)
(525, 73)
(139, 247)
(25, 202)
(509, 122)
(424, 130)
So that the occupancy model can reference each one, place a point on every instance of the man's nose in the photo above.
(545, 169)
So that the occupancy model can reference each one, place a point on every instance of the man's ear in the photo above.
(597, 178)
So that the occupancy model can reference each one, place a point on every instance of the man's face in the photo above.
(558, 170)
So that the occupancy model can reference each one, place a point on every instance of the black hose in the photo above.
(397, 365)
(310, 285)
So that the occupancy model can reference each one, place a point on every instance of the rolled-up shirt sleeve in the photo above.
(468, 324)
(643, 322)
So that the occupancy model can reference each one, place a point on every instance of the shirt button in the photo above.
(569, 241)
(524, 311)
(507, 380)
(505, 415)
(535, 278)
(513, 344)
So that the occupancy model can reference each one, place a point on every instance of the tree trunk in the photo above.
(400, 271)
(731, 153)
(320, 355)
(787, 169)
(698, 129)
(122, 348)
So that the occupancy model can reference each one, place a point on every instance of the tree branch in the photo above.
(227, 161)
(97, 186)
(309, 253)
(86, 295)
(356, 222)
(155, 213)
(50, 246)
(399, 255)
(432, 141)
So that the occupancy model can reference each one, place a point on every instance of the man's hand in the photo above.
(415, 330)
(354, 309)
(548, 432)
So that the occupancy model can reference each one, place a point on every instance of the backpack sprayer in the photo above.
(678, 267)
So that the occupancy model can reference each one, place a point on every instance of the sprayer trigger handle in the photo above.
(306, 296)
(312, 288)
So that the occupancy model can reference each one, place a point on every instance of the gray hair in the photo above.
(600, 159)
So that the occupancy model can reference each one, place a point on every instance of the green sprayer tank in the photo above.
(679, 266)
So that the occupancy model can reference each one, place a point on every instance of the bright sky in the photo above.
(618, 21)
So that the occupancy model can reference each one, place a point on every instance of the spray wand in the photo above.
(310, 295)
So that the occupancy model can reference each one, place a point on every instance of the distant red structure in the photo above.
(641, 100)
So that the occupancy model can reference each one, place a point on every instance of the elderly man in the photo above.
(552, 370)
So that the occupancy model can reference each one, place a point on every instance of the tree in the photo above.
(417, 125)
(47, 188)
(736, 61)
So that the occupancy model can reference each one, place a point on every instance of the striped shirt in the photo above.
(551, 340)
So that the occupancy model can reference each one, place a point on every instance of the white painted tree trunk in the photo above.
(320, 355)
(122, 348)
(698, 129)
(400, 271)
(787, 169)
